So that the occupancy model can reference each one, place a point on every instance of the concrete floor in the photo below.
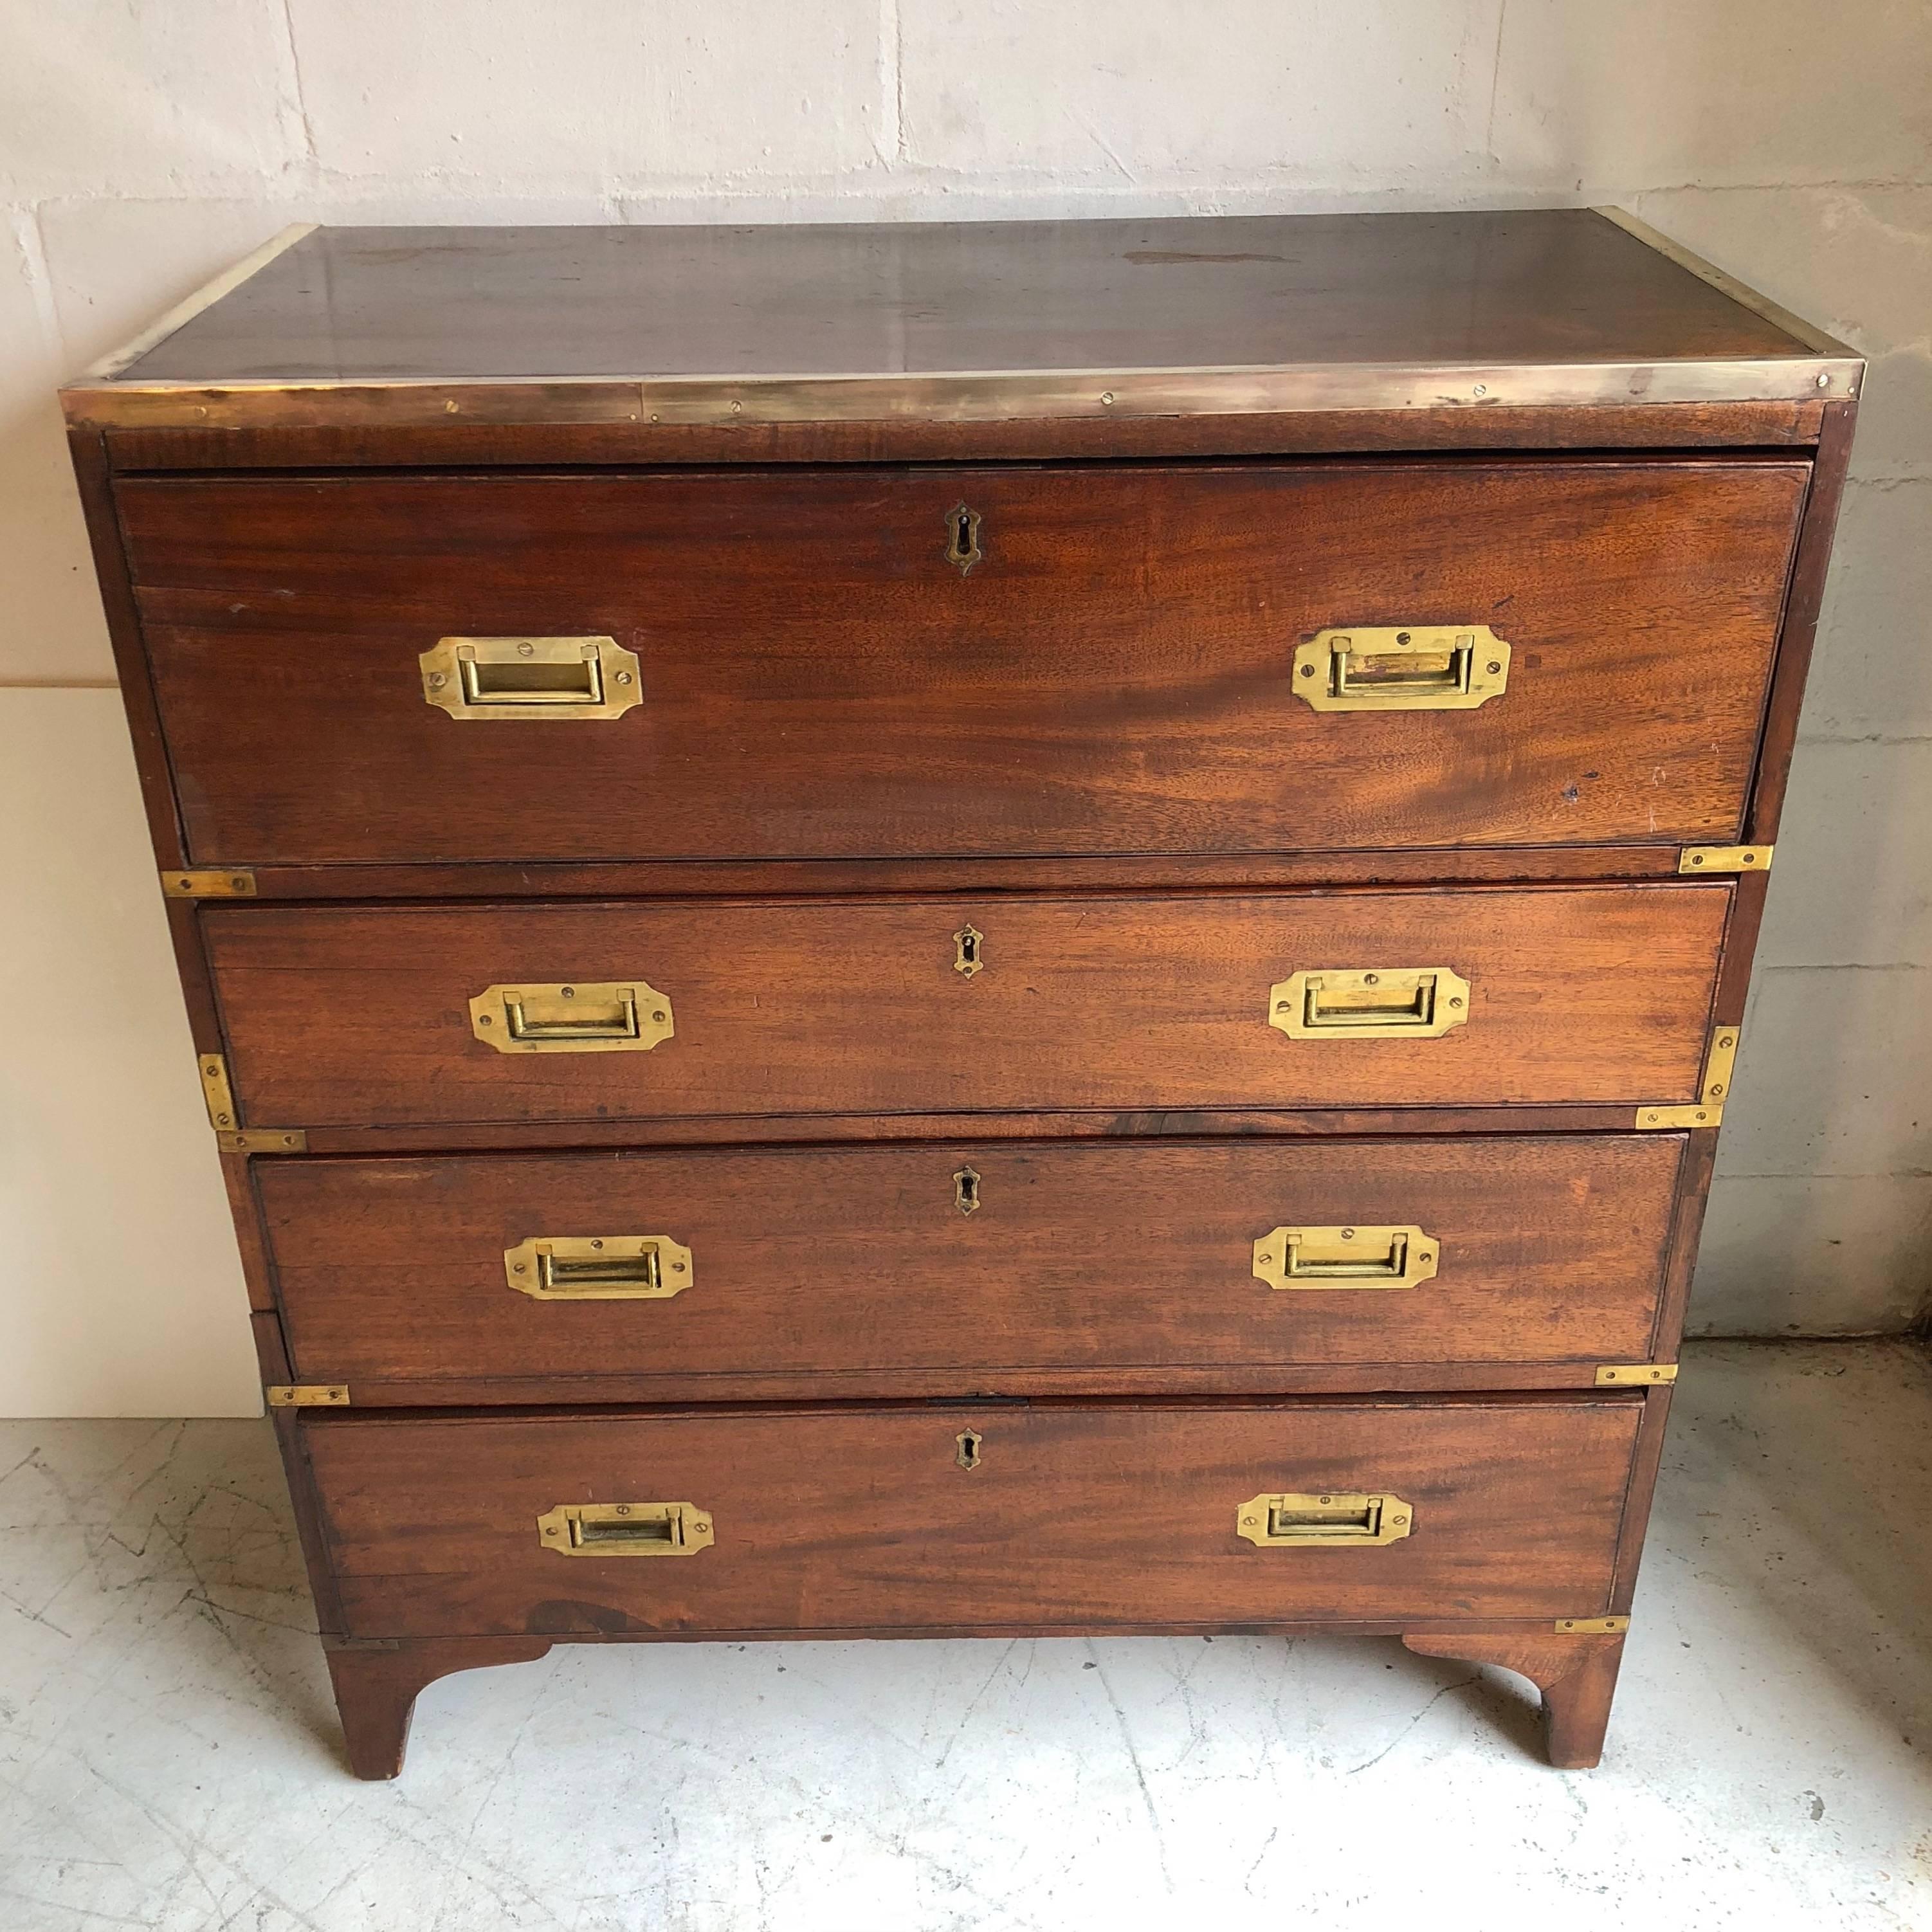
(169, 1756)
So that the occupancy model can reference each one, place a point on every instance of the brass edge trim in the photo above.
(218, 1093)
(264, 1140)
(1632, 1375)
(184, 311)
(1591, 1626)
(1740, 293)
(1702, 861)
(308, 1395)
(955, 396)
(224, 882)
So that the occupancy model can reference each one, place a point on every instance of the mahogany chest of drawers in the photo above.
(1023, 929)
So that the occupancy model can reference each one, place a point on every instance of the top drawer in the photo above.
(824, 668)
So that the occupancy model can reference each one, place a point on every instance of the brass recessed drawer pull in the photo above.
(1341, 1258)
(598, 1268)
(1423, 1002)
(1313, 1521)
(625, 1529)
(526, 678)
(609, 1016)
(1420, 667)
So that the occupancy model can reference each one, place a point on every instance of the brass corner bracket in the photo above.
(1635, 1375)
(308, 1395)
(220, 1095)
(1591, 1626)
(225, 882)
(1696, 860)
(1713, 1091)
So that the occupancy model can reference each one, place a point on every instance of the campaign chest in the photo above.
(1023, 929)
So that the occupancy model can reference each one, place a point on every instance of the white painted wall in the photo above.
(145, 144)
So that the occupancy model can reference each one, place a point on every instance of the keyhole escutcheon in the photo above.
(968, 1441)
(966, 1191)
(972, 955)
(962, 537)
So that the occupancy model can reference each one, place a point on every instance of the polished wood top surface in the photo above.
(386, 305)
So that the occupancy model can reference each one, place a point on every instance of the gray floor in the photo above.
(168, 1753)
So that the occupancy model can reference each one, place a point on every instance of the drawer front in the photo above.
(474, 1276)
(827, 1520)
(363, 1017)
(1113, 674)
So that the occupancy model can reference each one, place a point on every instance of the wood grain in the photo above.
(371, 304)
(819, 682)
(856, 1261)
(1078, 1515)
(1680, 427)
(360, 1016)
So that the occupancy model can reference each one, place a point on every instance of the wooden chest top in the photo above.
(978, 322)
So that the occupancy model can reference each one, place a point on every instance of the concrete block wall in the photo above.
(144, 146)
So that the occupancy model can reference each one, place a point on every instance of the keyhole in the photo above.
(971, 943)
(968, 1457)
(966, 1191)
(962, 537)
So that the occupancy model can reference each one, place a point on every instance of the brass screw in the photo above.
(1281, 1006)
(436, 680)
(623, 1509)
(1249, 1521)
(569, 992)
(526, 650)
(1372, 979)
(1456, 999)
(522, 1268)
(1696, 858)
(1107, 396)
(1348, 1234)
(1398, 1520)
(596, 1244)
(1750, 859)
(1726, 1039)
(659, 1014)
(623, 677)
(482, 1019)
(1308, 670)
(677, 1268)
(1717, 1089)
(1495, 664)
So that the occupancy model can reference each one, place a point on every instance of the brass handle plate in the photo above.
(598, 1268)
(1411, 668)
(1418, 1002)
(603, 1016)
(1281, 1522)
(513, 679)
(1346, 1257)
(625, 1529)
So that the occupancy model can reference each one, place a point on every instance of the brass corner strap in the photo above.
(1696, 860)
(225, 882)
(217, 1092)
(232, 1138)
(1635, 1375)
(1591, 1626)
(1714, 1088)
(308, 1395)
